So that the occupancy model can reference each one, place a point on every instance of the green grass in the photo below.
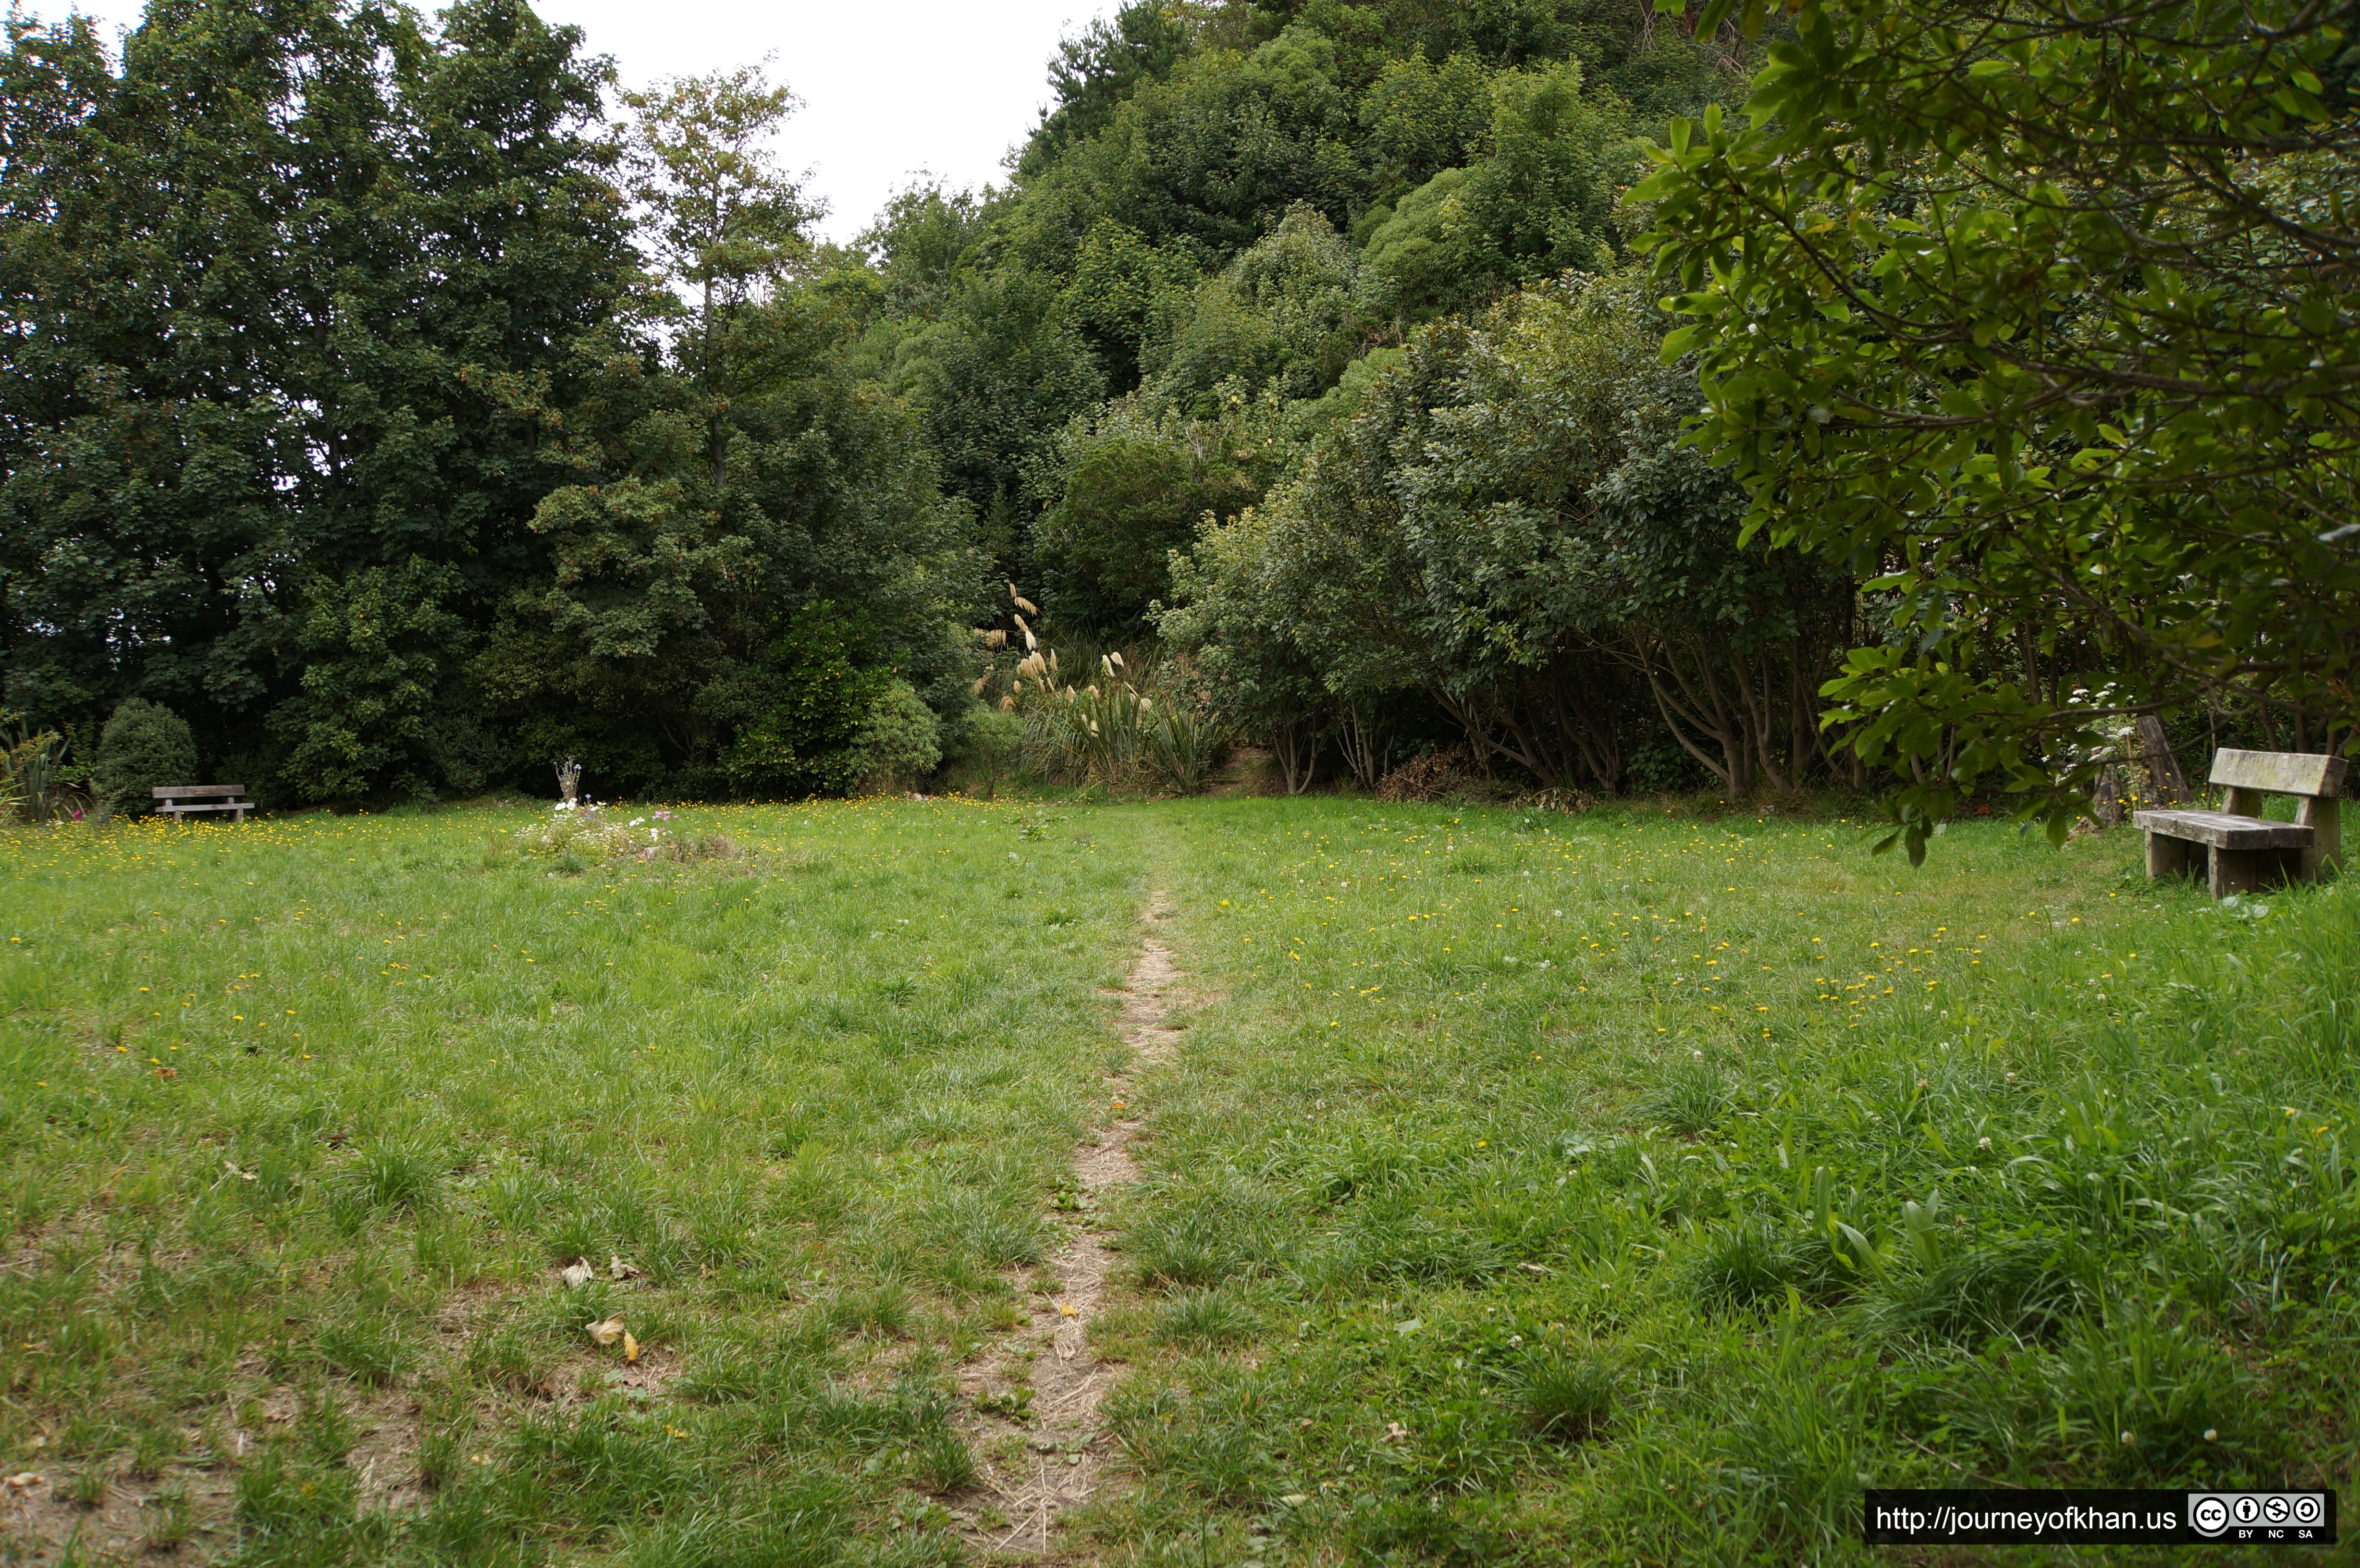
(1637, 1187)
(303, 1118)
(1629, 1187)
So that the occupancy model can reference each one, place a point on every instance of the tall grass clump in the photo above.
(1132, 727)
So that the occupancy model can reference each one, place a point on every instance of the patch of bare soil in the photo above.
(1250, 771)
(104, 1511)
(1040, 1447)
(41, 1522)
(119, 1516)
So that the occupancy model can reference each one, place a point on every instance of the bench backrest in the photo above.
(194, 791)
(2279, 772)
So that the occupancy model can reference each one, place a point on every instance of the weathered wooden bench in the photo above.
(2240, 851)
(180, 799)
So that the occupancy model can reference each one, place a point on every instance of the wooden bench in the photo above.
(2243, 850)
(180, 799)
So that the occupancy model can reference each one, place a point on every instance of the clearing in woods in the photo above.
(1236, 1180)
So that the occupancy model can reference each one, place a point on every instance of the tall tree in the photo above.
(274, 291)
(724, 223)
(751, 533)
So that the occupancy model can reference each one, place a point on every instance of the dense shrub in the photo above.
(900, 741)
(144, 745)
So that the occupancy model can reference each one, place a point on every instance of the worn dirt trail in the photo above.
(1063, 1446)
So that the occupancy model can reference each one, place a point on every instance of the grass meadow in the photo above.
(1525, 1187)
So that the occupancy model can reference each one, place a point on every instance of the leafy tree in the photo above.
(1238, 602)
(917, 244)
(145, 441)
(1280, 314)
(1415, 267)
(477, 295)
(804, 740)
(650, 644)
(1539, 202)
(2038, 317)
(1666, 64)
(1207, 158)
(283, 291)
(722, 488)
(378, 648)
(1509, 526)
(1124, 287)
(1133, 484)
(634, 563)
(997, 377)
(898, 742)
(1419, 119)
(1097, 68)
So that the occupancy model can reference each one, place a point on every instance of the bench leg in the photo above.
(2251, 870)
(2323, 815)
(2234, 871)
(2165, 857)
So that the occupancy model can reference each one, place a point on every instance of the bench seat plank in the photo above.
(224, 806)
(2224, 831)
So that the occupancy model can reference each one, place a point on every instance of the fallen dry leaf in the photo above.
(578, 1273)
(631, 1347)
(1394, 1432)
(1066, 1311)
(23, 1479)
(619, 1269)
(606, 1332)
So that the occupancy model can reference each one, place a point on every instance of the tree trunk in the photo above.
(1296, 745)
(1362, 743)
(2166, 785)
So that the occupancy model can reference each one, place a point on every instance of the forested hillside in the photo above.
(375, 407)
(403, 423)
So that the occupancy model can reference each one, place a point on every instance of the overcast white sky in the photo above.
(889, 87)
